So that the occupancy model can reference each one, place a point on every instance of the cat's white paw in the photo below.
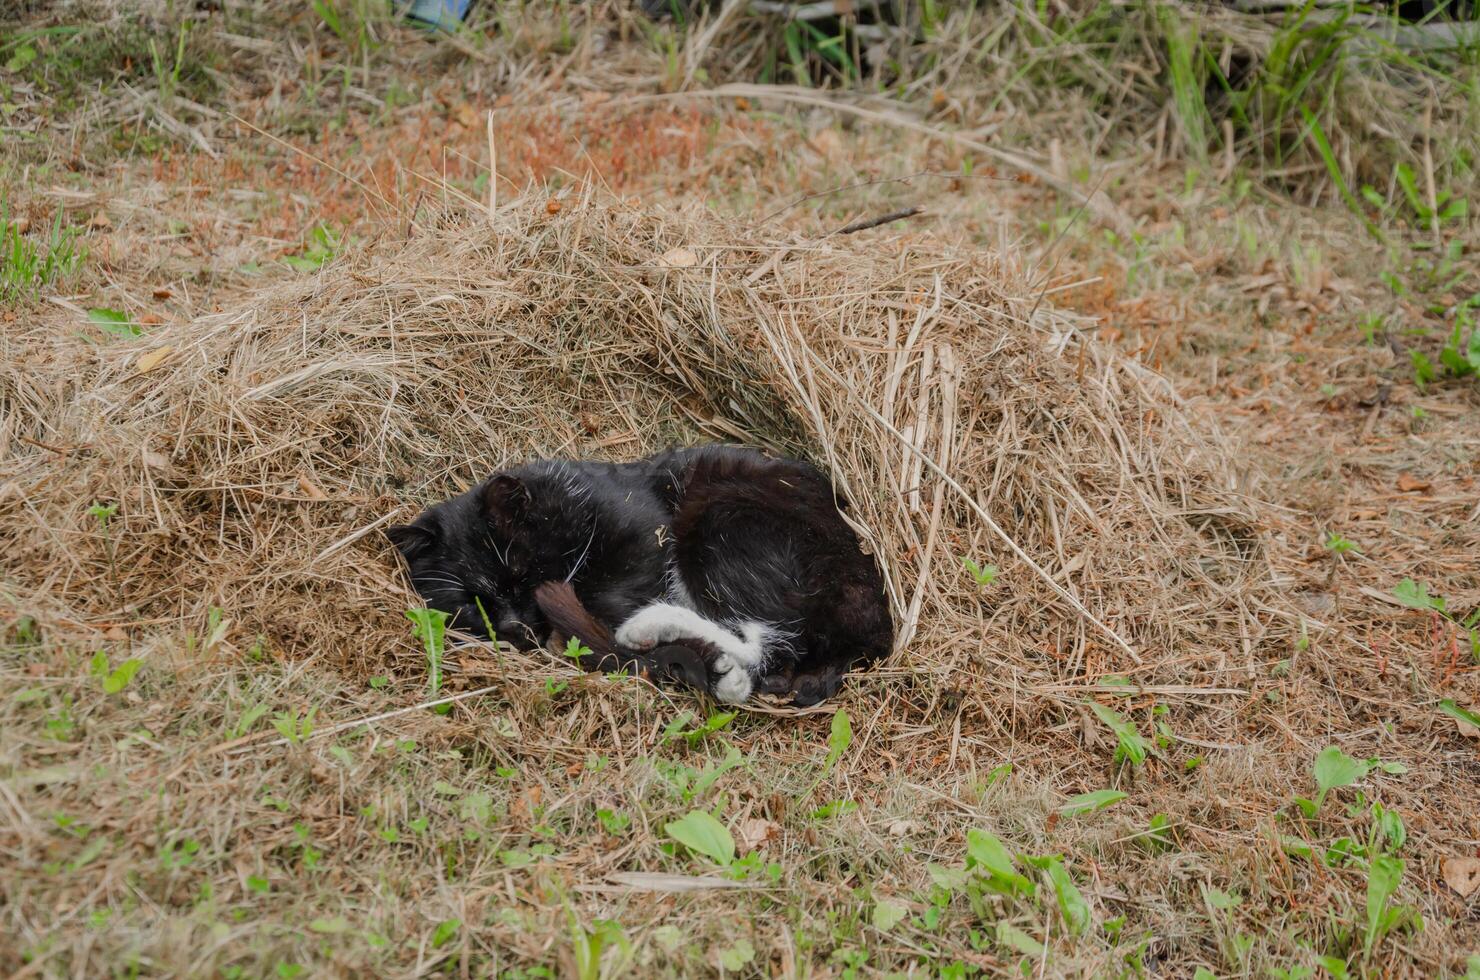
(646, 629)
(733, 684)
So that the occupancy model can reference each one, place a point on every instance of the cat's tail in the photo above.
(685, 663)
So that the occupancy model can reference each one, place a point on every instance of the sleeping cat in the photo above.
(720, 567)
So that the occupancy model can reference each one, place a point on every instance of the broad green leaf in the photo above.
(985, 851)
(330, 927)
(1334, 769)
(1415, 595)
(1462, 715)
(735, 957)
(23, 56)
(1071, 903)
(984, 574)
(700, 832)
(444, 932)
(951, 879)
(838, 739)
(99, 665)
(1383, 875)
(888, 914)
(1015, 939)
(114, 322)
(1130, 743)
(119, 678)
(430, 626)
(1088, 802)
(1220, 899)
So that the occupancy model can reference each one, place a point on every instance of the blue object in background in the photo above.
(446, 14)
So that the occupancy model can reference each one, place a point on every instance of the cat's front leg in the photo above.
(741, 656)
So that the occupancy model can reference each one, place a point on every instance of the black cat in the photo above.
(718, 566)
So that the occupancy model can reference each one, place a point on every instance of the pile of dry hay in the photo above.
(255, 453)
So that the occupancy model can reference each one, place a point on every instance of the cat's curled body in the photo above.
(729, 566)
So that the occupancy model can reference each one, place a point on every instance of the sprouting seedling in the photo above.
(116, 678)
(575, 649)
(1335, 769)
(103, 513)
(294, 727)
(1339, 545)
(838, 739)
(1130, 744)
(430, 627)
(984, 574)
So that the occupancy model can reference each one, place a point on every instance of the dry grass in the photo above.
(254, 446)
(253, 453)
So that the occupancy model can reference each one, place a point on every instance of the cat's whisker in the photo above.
(582, 560)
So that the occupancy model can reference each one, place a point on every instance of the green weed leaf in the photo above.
(984, 574)
(1334, 769)
(114, 322)
(1461, 715)
(700, 832)
(888, 914)
(1071, 902)
(838, 739)
(119, 677)
(1130, 745)
(1383, 875)
(1415, 595)
(430, 627)
(1015, 939)
(1089, 802)
(444, 932)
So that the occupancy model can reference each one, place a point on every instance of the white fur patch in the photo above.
(741, 657)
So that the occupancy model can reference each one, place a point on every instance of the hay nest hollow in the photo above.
(254, 453)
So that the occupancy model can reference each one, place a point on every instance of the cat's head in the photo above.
(480, 555)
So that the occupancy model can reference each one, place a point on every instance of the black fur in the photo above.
(749, 536)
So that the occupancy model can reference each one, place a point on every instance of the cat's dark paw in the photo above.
(814, 688)
(674, 663)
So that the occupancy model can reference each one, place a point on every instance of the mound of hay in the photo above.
(255, 453)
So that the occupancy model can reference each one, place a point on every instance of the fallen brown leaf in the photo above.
(100, 220)
(553, 206)
(1462, 874)
(757, 832)
(307, 486)
(678, 258)
(1408, 483)
(151, 359)
(162, 293)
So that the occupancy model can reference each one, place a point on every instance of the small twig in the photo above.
(367, 191)
(492, 173)
(49, 448)
(883, 219)
(879, 180)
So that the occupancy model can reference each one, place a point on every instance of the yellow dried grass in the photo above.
(255, 452)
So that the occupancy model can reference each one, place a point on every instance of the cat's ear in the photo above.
(505, 499)
(410, 539)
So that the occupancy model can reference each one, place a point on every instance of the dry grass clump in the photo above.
(253, 453)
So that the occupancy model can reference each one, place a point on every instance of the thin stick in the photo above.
(492, 171)
(1102, 207)
(882, 219)
(323, 163)
(877, 180)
